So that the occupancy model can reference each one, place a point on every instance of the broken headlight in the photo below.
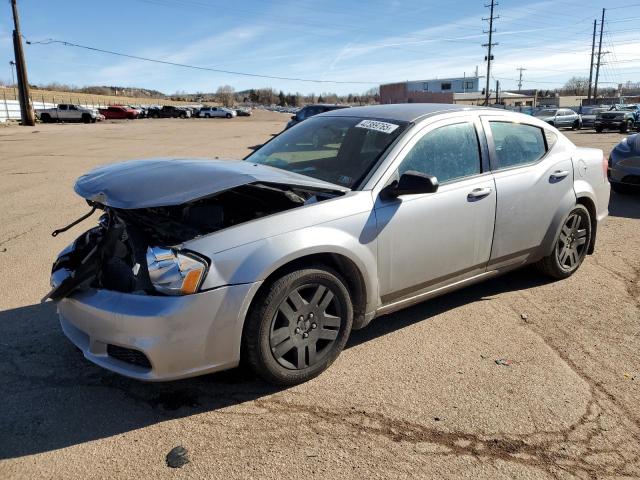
(175, 273)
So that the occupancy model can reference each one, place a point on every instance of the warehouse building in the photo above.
(440, 90)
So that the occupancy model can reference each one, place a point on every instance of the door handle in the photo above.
(559, 174)
(478, 193)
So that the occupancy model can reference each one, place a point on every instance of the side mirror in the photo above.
(412, 183)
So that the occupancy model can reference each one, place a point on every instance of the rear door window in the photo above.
(517, 143)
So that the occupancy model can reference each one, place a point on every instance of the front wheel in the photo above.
(86, 118)
(571, 245)
(228, 115)
(298, 326)
(599, 129)
(576, 125)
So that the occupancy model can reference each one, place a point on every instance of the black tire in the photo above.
(599, 129)
(576, 125)
(207, 115)
(626, 126)
(228, 115)
(86, 118)
(570, 247)
(45, 118)
(290, 335)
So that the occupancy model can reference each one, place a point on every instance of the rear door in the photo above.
(534, 186)
(63, 111)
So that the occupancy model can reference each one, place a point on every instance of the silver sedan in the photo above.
(198, 265)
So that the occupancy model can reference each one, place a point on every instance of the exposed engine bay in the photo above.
(118, 253)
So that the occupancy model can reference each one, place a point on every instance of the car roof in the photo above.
(402, 112)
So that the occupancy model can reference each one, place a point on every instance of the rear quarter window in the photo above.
(517, 143)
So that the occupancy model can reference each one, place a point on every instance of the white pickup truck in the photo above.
(67, 112)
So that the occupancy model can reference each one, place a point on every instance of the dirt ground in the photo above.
(417, 394)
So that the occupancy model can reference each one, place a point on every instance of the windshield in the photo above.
(339, 150)
(548, 112)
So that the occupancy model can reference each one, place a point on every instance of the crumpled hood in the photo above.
(164, 182)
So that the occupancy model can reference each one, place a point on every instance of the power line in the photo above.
(194, 67)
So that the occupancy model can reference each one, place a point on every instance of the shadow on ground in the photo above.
(54, 398)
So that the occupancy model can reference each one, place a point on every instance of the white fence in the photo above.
(10, 109)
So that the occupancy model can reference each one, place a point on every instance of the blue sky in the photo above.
(376, 41)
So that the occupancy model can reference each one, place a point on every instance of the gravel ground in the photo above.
(416, 394)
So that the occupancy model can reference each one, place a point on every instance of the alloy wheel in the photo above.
(305, 326)
(572, 243)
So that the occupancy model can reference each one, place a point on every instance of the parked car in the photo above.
(169, 111)
(243, 112)
(588, 115)
(142, 112)
(119, 112)
(275, 259)
(624, 165)
(619, 117)
(560, 117)
(211, 112)
(68, 112)
(311, 110)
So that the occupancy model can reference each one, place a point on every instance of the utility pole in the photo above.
(489, 45)
(520, 79)
(26, 111)
(497, 90)
(595, 88)
(593, 50)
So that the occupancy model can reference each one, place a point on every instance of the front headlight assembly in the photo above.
(175, 273)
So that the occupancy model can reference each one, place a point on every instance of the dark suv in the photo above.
(310, 111)
(619, 117)
(169, 111)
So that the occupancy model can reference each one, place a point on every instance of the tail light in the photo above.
(605, 167)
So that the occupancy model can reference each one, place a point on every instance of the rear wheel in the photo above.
(298, 326)
(626, 126)
(571, 245)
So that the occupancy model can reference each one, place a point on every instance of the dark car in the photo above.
(169, 111)
(588, 115)
(624, 165)
(311, 110)
(620, 117)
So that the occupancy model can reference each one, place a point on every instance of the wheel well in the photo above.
(590, 206)
(347, 270)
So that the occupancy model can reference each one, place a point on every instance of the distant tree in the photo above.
(281, 99)
(320, 99)
(576, 86)
(226, 95)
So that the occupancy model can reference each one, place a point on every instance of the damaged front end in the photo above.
(138, 250)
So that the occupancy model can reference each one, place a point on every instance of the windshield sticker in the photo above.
(383, 127)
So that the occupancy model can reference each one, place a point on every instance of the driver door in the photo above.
(430, 240)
